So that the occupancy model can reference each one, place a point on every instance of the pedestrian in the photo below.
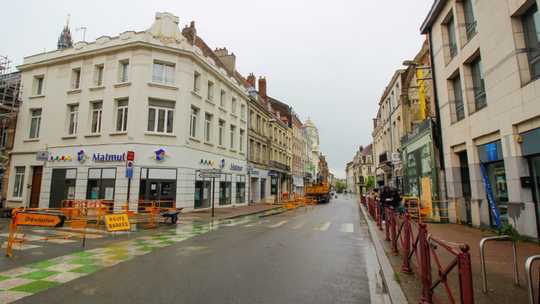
(396, 201)
(386, 202)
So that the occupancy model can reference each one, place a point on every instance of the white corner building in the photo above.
(161, 93)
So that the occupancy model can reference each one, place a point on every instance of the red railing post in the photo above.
(425, 263)
(393, 228)
(379, 213)
(466, 291)
(388, 223)
(406, 268)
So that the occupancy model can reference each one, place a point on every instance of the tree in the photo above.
(370, 184)
(340, 186)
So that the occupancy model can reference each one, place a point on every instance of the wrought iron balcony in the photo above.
(385, 157)
(279, 166)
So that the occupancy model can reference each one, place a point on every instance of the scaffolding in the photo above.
(10, 89)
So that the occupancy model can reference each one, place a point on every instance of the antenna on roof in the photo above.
(84, 33)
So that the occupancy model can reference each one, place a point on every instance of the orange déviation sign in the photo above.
(39, 219)
(117, 222)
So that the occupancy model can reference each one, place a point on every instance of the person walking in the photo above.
(396, 200)
(386, 202)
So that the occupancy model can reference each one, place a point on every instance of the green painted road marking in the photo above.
(167, 242)
(87, 269)
(4, 278)
(123, 257)
(38, 275)
(42, 265)
(82, 254)
(147, 248)
(84, 261)
(116, 251)
(36, 286)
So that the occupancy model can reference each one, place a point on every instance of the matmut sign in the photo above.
(40, 219)
(117, 222)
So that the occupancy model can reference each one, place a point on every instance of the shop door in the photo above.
(62, 186)
(263, 188)
(36, 187)
(163, 192)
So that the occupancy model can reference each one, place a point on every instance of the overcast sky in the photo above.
(329, 60)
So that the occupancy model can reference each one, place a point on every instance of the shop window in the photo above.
(203, 192)
(492, 158)
(225, 189)
(101, 184)
(63, 183)
(240, 189)
(158, 185)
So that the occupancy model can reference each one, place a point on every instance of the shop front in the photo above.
(530, 149)
(259, 184)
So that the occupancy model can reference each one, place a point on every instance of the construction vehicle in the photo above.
(319, 191)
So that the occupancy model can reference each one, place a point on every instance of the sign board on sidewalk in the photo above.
(117, 222)
(210, 173)
(40, 219)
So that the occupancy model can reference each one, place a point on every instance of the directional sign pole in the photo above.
(213, 194)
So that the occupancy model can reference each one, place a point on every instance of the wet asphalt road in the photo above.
(278, 259)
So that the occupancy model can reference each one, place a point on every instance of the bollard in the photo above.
(466, 291)
(393, 231)
(425, 271)
(406, 268)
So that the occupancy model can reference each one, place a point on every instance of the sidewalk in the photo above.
(498, 261)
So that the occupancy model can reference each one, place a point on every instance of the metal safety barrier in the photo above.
(528, 277)
(483, 260)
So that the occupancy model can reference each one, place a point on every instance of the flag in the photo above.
(490, 197)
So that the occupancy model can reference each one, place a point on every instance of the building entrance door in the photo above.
(36, 187)
(163, 192)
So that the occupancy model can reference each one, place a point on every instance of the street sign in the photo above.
(249, 167)
(117, 222)
(271, 174)
(210, 173)
(42, 156)
(40, 219)
(129, 173)
(130, 155)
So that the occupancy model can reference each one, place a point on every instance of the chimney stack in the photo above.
(262, 87)
(190, 32)
(251, 80)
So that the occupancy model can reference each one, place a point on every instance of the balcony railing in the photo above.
(279, 166)
(307, 175)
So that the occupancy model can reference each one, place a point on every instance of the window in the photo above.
(35, 123)
(263, 153)
(240, 189)
(233, 130)
(258, 152)
(458, 97)
(233, 105)
(251, 118)
(452, 38)
(73, 119)
(163, 73)
(241, 142)
(207, 126)
(478, 83)
(160, 116)
(210, 90)
(3, 140)
(251, 148)
(124, 71)
(223, 99)
(470, 19)
(98, 75)
(531, 27)
(243, 111)
(38, 85)
(75, 78)
(258, 126)
(19, 182)
(225, 189)
(193, 123)
(122, 116)
(220, 132)
(196, 82)
(96, 117)
(368, 159)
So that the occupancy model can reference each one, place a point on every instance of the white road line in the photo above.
(347, 227)
(300, 225)
(235, 223)
(278, 224)
(257, 223)
(323, 226)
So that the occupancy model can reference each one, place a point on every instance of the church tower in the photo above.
(65, 40)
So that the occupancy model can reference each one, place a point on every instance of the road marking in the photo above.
(300, 225)
(347, 227)
(257, 223)
(236, 223)
(323, 226)
(278, 224)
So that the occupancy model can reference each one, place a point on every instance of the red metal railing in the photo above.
(419, 255)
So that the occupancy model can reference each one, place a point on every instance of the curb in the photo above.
(394, 289)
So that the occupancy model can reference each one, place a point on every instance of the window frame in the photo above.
(122, 115)
(165, 69)
(207, 127)
(532, 60)
(193, 122)
(450, 26)
(470, 25)
(459, 108)
(123, 73)
(73, 119)
(479, 87)
(96, 125)
(159, 106)
(37, 119)
(75, 79)
(221, 125)
(18, 185)
(232, 141)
